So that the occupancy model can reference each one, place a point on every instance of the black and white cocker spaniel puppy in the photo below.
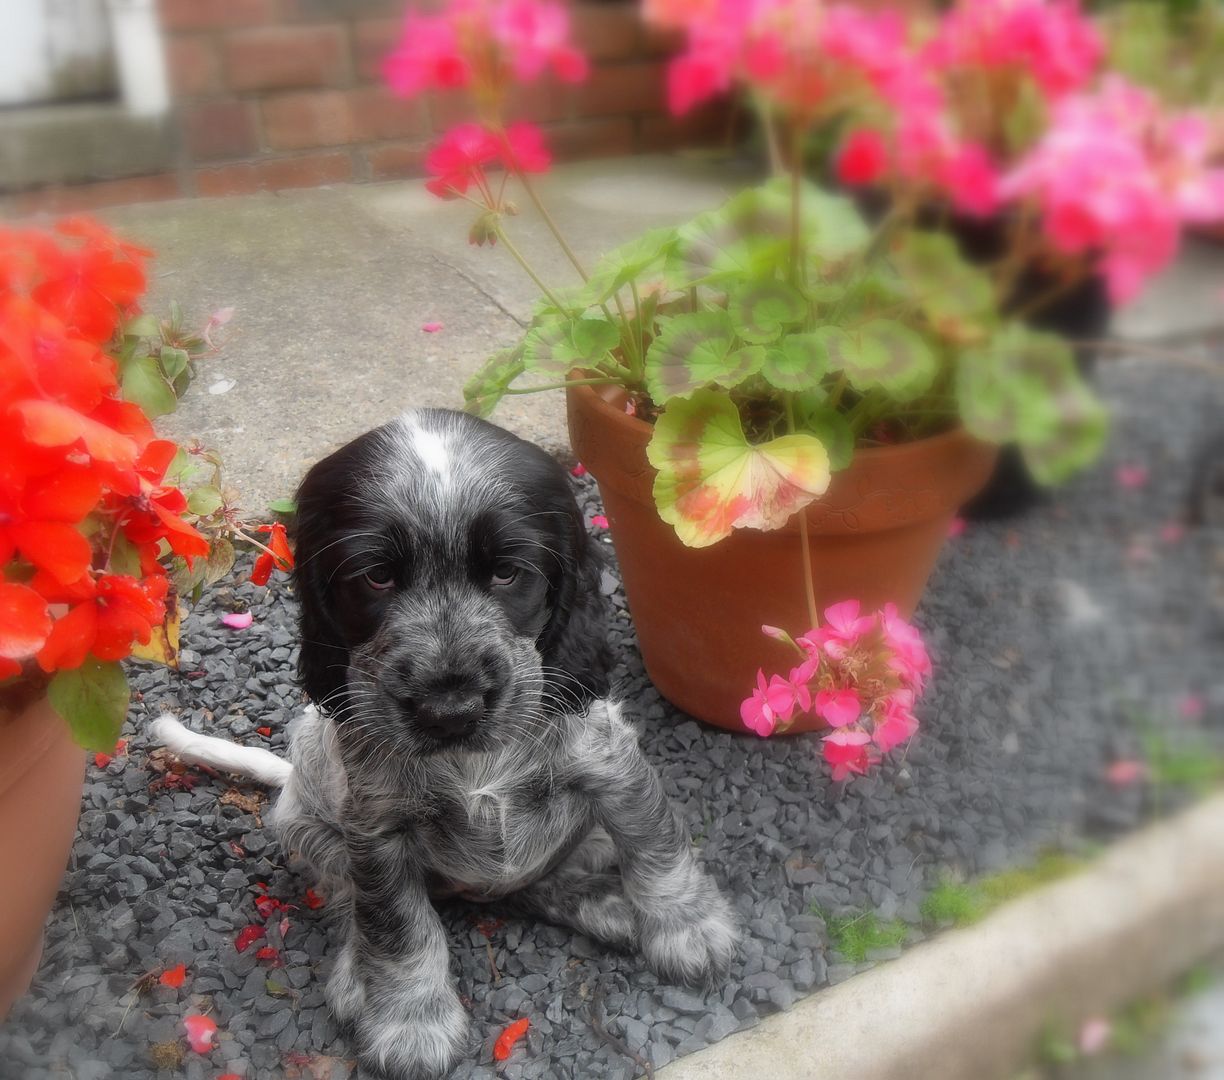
(453, 641)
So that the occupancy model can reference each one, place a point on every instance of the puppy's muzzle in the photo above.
(450, 714)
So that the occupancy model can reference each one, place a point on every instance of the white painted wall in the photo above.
(52, 50)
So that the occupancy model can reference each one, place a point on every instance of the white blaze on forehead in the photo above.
(428, 446)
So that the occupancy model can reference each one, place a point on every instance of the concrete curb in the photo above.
(970, 1003)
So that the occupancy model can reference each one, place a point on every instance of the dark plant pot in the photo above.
(875, 536)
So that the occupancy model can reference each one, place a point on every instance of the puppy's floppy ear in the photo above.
(323, 656)
(576, 638)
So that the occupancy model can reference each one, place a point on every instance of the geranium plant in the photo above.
(769, 339)
(102, 523)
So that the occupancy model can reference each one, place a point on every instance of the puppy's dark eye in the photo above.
(380, 578)
(504, 573)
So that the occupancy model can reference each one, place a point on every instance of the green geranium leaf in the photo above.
(485, 389)
(955, 296)
(1024, 387)
(762, 309)
(643, 256)
(712, 480)
(142, 382)
(556, 348)
(143, 326)
(124, 558)
(93, 699)
(833, 430)
(204, 501)
(283, 506)
(173, 361)
(802, 360)
(886, 354)
(693, 351)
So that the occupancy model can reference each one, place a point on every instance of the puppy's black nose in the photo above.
(449, 714)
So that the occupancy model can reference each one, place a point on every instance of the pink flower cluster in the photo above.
(1115, 178)
(801, 54)
(861, 674)
(458, 160)
(484, 45)
(1047, 39)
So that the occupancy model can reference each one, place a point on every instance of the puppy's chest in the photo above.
(489, 834)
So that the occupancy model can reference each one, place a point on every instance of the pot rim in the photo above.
(598, 399)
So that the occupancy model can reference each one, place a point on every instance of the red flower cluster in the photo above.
(85, 511)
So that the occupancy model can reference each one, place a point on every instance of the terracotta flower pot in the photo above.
(41, 772)
(875, 536)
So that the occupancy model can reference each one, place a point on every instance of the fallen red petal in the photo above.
(102, 760)
(268, 952)
(266, 732)
(247, 936)
(578, 470)
(173, 977)
(509, 1036)
(313, 900)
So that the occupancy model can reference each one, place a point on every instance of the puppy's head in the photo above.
(448, 587)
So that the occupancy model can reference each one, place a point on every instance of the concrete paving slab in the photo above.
(969, 1004)
(332, 286)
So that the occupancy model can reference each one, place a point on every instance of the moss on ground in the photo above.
(964, 903)
(854, 936)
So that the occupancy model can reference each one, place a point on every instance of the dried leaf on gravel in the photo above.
(167, 1055)
(299, 1066)
(248, 804)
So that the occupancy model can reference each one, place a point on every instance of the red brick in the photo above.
(591, 138)
(275, 174)
(622, 88)
(217, 14)
(656, 42)
(540, 102)
(299, 121)
(396, 160)
(376, 114)
(607, 31)
(372, 40)
(702, 127)
(284, 57)
(219, 129)
(191, 62)
(133, 189)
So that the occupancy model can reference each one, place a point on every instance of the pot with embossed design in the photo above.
(875, 535)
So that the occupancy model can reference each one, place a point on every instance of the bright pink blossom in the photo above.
(524, 149)
(534, 36)
(910, 659)
(838, 707)
(769, 703)
(863, 158)
(898, 722)
(846, 752)
(458, 160)
(427, 57)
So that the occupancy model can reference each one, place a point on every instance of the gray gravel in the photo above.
(1032, 697)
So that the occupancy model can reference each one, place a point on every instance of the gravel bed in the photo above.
(1056, 638)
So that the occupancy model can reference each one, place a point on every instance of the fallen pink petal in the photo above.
(1126, 772)
(1191, 706)
(578, 470)
(200, 1032)
(600, 521)
(431, 327)
(1094, 1035)
(1172, 532)
(956, 527)
(1131, 477)
(237, 620)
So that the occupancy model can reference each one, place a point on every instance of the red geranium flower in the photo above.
(281, 557)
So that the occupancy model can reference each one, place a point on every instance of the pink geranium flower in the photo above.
(458, 160)
(770, 702)
(910, 659)
(838, 707)
(534, 35)
(863, 158)
(845, 751)
(898, 723)
(524, 149)
(427, 57)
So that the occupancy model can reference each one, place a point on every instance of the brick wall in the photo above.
(274, 94)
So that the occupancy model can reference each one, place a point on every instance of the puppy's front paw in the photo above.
(693, 945)
(417, 1040)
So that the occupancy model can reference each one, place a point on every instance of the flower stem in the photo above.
(552, 225)
(805, 543)
(518, 257)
